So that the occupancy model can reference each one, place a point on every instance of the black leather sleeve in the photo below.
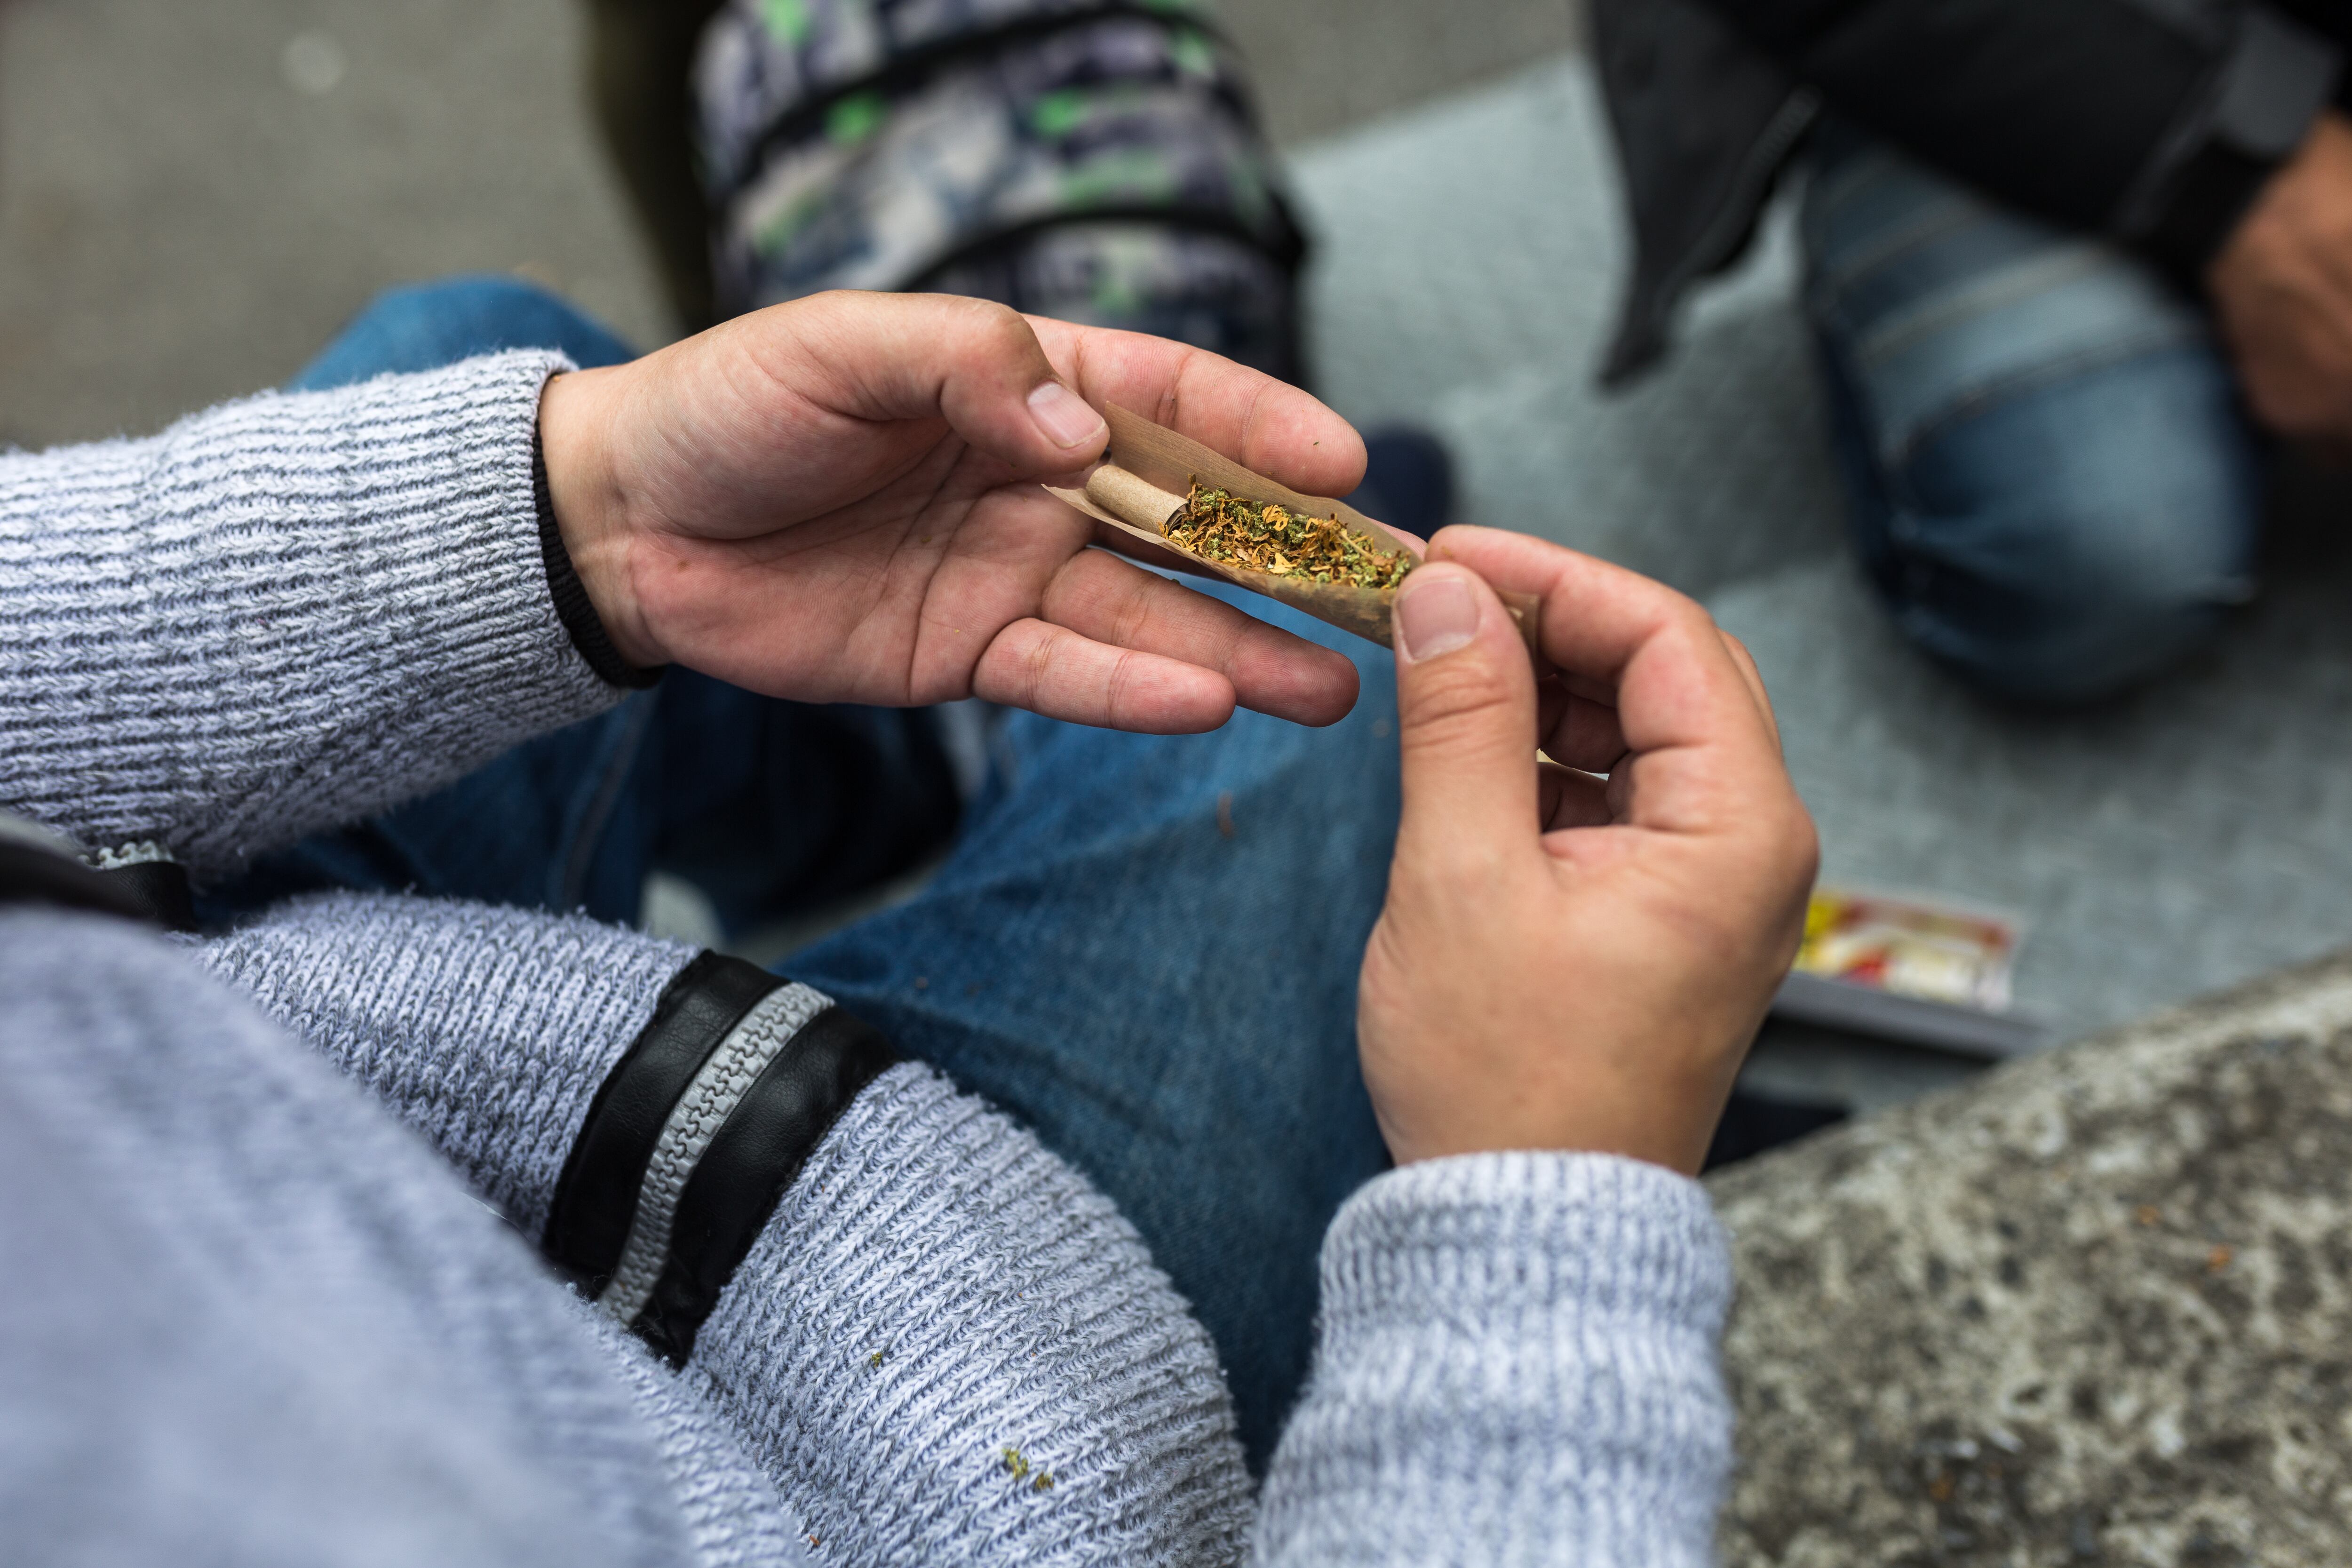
(2154, 121)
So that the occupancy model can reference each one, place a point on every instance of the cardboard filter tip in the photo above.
(1149, 471)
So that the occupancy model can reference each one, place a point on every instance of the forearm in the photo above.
(487, 1030)
(931, 1291)
(1517, 1366)
(279, 615)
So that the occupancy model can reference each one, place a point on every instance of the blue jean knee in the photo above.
(2050, 479)
(424, 326)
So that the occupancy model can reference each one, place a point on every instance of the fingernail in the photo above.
(1064, 416)
(1435, 616)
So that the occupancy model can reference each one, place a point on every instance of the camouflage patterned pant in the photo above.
(1094, 159)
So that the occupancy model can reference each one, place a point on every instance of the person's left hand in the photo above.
(1578, 945)
(837, 501)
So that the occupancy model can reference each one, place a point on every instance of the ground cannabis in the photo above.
(1016, 1464)
(1218, 526)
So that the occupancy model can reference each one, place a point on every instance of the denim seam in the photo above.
(1971, 399)
(1862, 168)
(1981, 296)
(1948, 212)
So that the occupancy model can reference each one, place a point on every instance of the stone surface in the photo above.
(2094, 1308)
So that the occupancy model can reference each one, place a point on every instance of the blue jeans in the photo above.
(1143, 947)
(2049, 477)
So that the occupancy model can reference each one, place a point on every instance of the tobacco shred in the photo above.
(1218, 526)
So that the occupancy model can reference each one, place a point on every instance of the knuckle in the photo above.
(1136, 609)
(1463, 689)
(1121, 676)
(998, 324)
(1027, 664)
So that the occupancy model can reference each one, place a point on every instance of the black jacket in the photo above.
(2153, 122)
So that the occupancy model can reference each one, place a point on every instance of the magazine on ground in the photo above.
(1918, 971)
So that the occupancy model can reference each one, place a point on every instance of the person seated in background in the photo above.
(2071, 265)
(827, 1303)
(1095, 163)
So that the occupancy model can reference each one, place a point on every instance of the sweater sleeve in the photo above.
(1517, 1364)
(943, 1346)
(281, 615)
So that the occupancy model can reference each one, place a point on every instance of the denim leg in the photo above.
(2049, 480)
(1145, 948)
(424, 326)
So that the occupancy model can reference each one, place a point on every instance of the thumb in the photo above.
(993, 383)
(1466, 719)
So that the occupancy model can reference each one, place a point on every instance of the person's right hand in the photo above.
(2282, 287)
(1563, 963)
(836, 501)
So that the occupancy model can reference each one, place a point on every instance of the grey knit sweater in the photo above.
(267, 1325)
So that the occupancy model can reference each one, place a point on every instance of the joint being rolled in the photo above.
(1134, 502)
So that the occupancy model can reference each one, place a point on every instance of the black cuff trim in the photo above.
(2259, 108)
(30, 874)
(596, 1196)
(571, 604)
(2211, 193)
(1288, 252)
(161, 890)
(755, 1155)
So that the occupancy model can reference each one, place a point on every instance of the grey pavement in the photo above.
(194, 193)
(192, 196)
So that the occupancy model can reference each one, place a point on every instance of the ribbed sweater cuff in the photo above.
(1518, 1362)
(281, 615)
(573, 605)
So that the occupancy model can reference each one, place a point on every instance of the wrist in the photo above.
(589, 508)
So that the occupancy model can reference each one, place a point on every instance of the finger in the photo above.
(1055, 671)
(1578, 731)
(1266, 425)
(1466, 725)
(1109, 601)
(1566, 798)
(1598, 618)
(1691, 725)
(1754, 677)
(974, 362)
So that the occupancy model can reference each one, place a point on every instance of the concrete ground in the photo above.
(192, 196)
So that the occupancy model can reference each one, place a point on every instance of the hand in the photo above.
(837, 501)
(1565, 963)
(2283, 289)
